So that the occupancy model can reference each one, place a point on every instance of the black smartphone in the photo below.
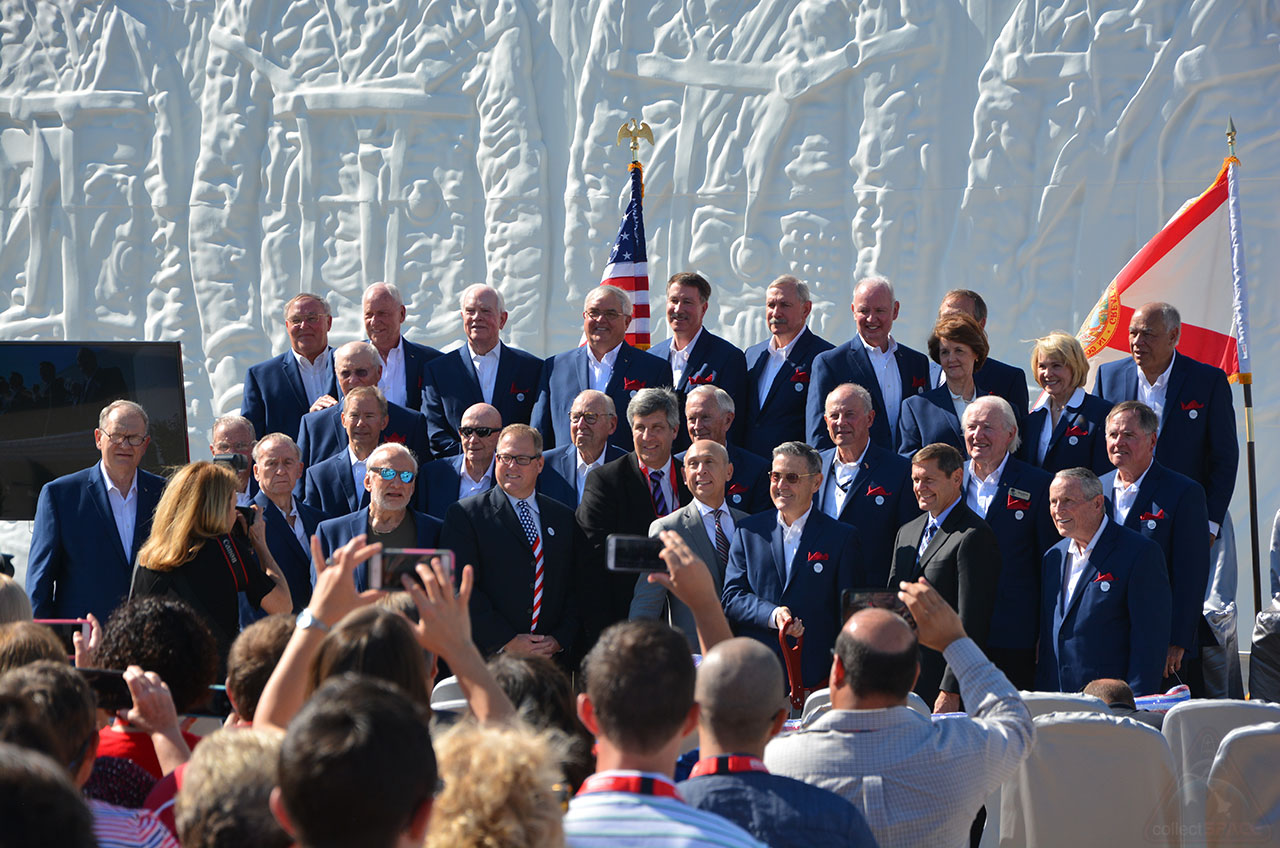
(638, 554)
(108, 684)
(853, 600)
(386, 568)
(65, 627)
(247, 512)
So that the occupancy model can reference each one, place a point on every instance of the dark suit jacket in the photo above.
(1024, 530)
(849, 363)
(748, 488)
(1197, 429)
(1006, 381)
(416, 357)
(713, 361)
(616, 499)
(1085, 446)
(484, 532)
(781, 417)
(827, 562)
(928, 418)
(565, 375)
(652, 600)
(438, 485)
(293, 559)
(322, 434)
(76, 564)
(963, 563)
(329, 488)
(336, 532)
(880, 501)
(1117, 631)
(452, 386)
(1170, 511)
(560, 472)
(274, 398)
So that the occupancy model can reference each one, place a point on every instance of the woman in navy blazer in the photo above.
(1067, 426)
(960, 346)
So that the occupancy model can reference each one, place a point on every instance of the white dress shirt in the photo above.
(1153, 394)
(841, 472)
(791, 537)
(467, 486)
(777, 356)
(601, 370)
(299, 532)
(680, 358)
(392, 381)
(1042, 441)
(1123, 496)
(124, 509)
(709, 520)
(357, 473)
(1077, 559)
(315, 375)
(959, 404)
(584, 468)
(885, 366)
(486, 365)
(978, 492)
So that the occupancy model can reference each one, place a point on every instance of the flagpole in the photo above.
(1246, 374)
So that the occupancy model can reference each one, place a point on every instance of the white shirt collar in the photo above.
(993, 479)
(837, 463)
(786, 349)
(396, 352)
(1162, 380)
(797, 526)
(875, 351)
(322, 361)
(1121, 487)
(583, 465)
(1075, 550)
(684, 351)
(608, 359)
(466, 475)
(1077, 398)
(493, 353)
(111, 487)
(705, 510)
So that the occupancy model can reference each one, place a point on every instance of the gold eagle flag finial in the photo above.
(635, 130)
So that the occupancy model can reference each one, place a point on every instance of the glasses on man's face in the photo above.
(791, 477)
(391, 474)
(132, 441)
(609, 315)
(482, 432)
(588, 417)
(233, 447)
(305, 318)
(516, 458)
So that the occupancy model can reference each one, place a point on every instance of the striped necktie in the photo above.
(659, 499)
(535, 542)
(930, 529)
(722, 541)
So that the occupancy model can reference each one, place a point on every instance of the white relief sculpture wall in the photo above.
(178, 170)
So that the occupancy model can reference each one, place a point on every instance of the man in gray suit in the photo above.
(706, 524)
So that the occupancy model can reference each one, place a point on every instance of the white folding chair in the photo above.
(1092, 779)
(1043, 703)
(447, 696)
(818, 701)
(1194, 730)
(1243, 797)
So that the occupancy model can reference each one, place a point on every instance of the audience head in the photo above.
(307, 320)
(394, 495)
(639, 681)
(1076, 504)
(1111, 691)
(38, 803)
(378, 643)
(794, 478)
(165, 635)
(877, 660)
(787, 305)
(22, 724)
(592, 420)
(364, 417)
(543, 698)
(990, 430)
(14, 603)
(479, 430)
(384, 313)
(197, 504)
(707, 470)
(225, 797)
(64, 699)
(1154, 331)
(357, 364)
(277, 466)
(739, 695)
(519, 459)
(484, 314)
(358, 744)
(688, 294)
(23, 642)
(1059, 365)
(708, 413)
(606, 315)
(849, 413)
(1131, 437)
(253, 656)
(937, 477)
(875, 308)
(654, 415)
(959, 345)
(122, 436)
(966, 301)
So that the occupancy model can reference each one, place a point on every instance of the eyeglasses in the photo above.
(482, 432)
(517, 458)
(305, 318)
(233, 447)
(589, 417)
(610, 315)
(791, 477)
(123, 438)
(391, 474)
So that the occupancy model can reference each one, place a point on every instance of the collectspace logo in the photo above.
(1102, 323)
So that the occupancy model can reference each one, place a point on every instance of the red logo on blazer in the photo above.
(704, 380)
(1192, 404)
(516, 391)
(737, 489)
(395, 437)
(1077, 430)
(1147, 516)
(632, 385)
(1018, 503)
(1102, 577)
(877, 490)
(917, 382)
(800, 376)
(818, 556)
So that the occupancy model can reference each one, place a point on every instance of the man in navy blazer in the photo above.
(864, 484)
(388, 518)
(335, 486)
(1111, 617)
(1169, 509)
(709, 414)
(89, 525)
(995, 377)
(527, 552)
(789, 567)
(279, 391)
(779, 369)
(697, 356)
(403, 361)
(290, 523)
(322, 432)
(592, 419)
(447, 480)
(1013, 498)
(483, 370)
(874, 360)
(605, 363)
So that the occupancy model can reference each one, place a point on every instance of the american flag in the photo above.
(628, 267)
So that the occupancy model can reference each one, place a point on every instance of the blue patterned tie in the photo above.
(659, 499)
(930, 530)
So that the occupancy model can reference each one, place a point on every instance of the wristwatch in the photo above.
(307, 620)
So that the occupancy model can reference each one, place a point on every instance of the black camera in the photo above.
(237, 462)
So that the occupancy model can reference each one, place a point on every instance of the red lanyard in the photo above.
(636, 784)
(727, 764)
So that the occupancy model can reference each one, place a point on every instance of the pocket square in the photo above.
(1018, 503)
(1077, 430)
(818, 556)
(877, 490)
(1101, 577)
(800, 376)
(631, 385)
(704, 380)
(1151, 516)
(737, 489)
(518, 391)
(395, 437)
(918, 382)
(1192, 404)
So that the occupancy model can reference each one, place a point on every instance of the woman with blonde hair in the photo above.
(192, 552)
(14, 603)
(1067, 425)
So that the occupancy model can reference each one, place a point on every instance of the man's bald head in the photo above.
(733, 690)
(879, 654)
(482, 415)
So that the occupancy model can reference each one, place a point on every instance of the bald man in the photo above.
(735, 722)
(449, 480)
(917, 782)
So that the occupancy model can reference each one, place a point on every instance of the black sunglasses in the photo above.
(482, 432)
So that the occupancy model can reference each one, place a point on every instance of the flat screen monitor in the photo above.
(50, 397)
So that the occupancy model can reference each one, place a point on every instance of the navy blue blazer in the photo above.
(452, 386)
(1085, 446)
(76, 564)
(849, 363)
(566, 375)
(329, 488)
(559, 475)
(928, 418)
(1197, 429)
(484, 532)
(880, 501)
(1113, 627)
(828, 561)
(1006, 381)
(748, 488)
(336, 532)
(294, 560)
(274, 397)
(1019, 516)
(322, 434)
(416, 357)
(438, 485)
(1170, 511)
(713, 361)
(781, 417)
